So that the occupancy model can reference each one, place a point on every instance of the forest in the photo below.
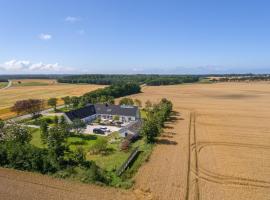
(138, 78)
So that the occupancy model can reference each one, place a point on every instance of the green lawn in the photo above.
(37, 121)
(34, 83)
(36, 139)
(85, 141)
(143, 114)
(113, 160)
(3, 84)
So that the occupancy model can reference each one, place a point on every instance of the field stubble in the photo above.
(41, 89)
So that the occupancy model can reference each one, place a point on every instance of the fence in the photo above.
(127, 162)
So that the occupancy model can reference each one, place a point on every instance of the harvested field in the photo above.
(36, 88)
(217, 146)
(227, 143)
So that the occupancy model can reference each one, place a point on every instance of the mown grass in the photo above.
(3, 84)
(36, 138)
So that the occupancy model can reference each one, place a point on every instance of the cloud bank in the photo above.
(25, 66)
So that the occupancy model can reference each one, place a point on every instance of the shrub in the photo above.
(100, 146)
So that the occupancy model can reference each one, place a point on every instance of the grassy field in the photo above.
(33, 82)
(3, 84)
(36, 88)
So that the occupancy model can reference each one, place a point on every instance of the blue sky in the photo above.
(134, 36)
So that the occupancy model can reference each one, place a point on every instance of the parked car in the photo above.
(98, 131)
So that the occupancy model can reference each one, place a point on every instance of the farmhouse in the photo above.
(123, 113)
(132, 128)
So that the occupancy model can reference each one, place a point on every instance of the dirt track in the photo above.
(217, 147)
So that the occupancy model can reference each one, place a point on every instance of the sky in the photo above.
(134, 36)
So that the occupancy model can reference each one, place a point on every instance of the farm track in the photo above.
(189, 159)
(193, 166)
(8, 85)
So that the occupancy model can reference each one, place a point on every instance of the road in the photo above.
(44, 112)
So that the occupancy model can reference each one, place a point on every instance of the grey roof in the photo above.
(116, 110)
(134, 126)
(81, 113)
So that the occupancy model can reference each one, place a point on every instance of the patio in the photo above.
(109, 129)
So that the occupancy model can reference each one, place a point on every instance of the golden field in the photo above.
(217, 146)
(38, 88)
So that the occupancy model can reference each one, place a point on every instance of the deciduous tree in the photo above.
(29, 106)
(52, 102)
(126, 101)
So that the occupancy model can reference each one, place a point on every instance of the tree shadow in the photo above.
(166, 136)
(84, 137)
(175, 116)
(166, 142)
(78, 143)
(167, 127)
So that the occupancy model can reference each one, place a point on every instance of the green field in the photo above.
(3, 84)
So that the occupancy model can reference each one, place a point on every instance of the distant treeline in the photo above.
(104, 95)
(3, 80)
(139, 79)
(263, 77)
(32, 76)
(115, 91)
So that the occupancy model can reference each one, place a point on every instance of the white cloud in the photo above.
(72, 19)
(27, 66)
(44, 36)
(15, 65)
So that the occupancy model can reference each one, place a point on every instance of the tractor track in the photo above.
(192, 160)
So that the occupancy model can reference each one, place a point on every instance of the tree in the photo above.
(78, 126)
(29, 106)
(52, 102)
(79, 156)
(66, 101)
(100, 146)
(56, 145)
(110, 100)
(44, 132)
(138, 102)
(75, 101)
(148, 104)
(63, 120)
(126, 101)
(16, 133)
(2, 124)
(150, 130)
(55, 119)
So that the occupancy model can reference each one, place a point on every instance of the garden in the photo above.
(54, 149)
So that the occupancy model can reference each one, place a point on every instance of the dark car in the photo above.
(98, 131)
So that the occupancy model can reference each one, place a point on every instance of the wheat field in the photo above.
(41, 89)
